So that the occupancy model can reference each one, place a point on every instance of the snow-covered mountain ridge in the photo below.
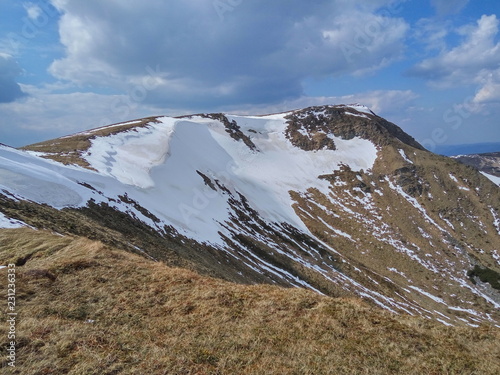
(326, 198)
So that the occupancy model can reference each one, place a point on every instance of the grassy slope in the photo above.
(148, 318)
(69, 149)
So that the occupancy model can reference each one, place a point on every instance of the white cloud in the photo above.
(444, 7)
(367, 41)
(44, 115)
(490, 88)
(9, 72)
(432, 33)
(475, 61)
(33, 11)
(257, 52)
(390, 103)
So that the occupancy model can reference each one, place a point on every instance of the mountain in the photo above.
(488, 164)
(466, 149)
(334, 199)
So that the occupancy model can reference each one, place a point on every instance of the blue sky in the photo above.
(430, 66)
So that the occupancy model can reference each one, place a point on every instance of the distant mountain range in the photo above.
(467, 149)
(488, 163)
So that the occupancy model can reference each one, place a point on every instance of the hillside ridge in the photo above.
(322, 198)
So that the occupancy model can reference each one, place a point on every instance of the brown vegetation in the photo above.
(106, 311)
(69, 149)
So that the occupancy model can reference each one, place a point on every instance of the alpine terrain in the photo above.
(332, 199)
(488, 164)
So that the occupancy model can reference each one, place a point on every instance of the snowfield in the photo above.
(7, 223)
(159, 166)
(494, 179)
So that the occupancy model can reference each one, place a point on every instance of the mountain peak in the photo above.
(309, 128)
(347, 122)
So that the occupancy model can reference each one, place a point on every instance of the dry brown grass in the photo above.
(106, 311)
(449, 257)
(69, 149)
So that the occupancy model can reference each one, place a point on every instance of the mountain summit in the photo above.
(331, 198)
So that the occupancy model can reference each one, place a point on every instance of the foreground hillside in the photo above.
(87, 308)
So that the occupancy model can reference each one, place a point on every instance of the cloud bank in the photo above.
(474, 61)
(231, 52)
(10, 90)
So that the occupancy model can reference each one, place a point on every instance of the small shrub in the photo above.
(486, 275)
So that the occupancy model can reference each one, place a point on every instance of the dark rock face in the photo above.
(232, 128)
(309, 128)
(407, 178)
(309, 133)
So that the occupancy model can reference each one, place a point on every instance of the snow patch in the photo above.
(496, 256)
(496, 219)
(434, 298)
(356, 115)
(129, 156)
(360, 108)
(403, 155)
(392, 269)
(494, 179)
(9, 223)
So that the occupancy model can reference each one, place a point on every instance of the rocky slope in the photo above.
(334, 199)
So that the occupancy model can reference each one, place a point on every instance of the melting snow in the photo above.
(157, 166)
(444, 322)
(496, 220)
(356, 115)
(495, 256)
(434, 298)
(9, 223)
(392, 269)
(446, 221)
(403, 155)
(360, 108)
(335, 230)
(495, 179)
(414, 203)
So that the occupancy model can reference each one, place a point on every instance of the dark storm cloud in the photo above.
(223, 51)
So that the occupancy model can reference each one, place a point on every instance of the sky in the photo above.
(430, 66)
